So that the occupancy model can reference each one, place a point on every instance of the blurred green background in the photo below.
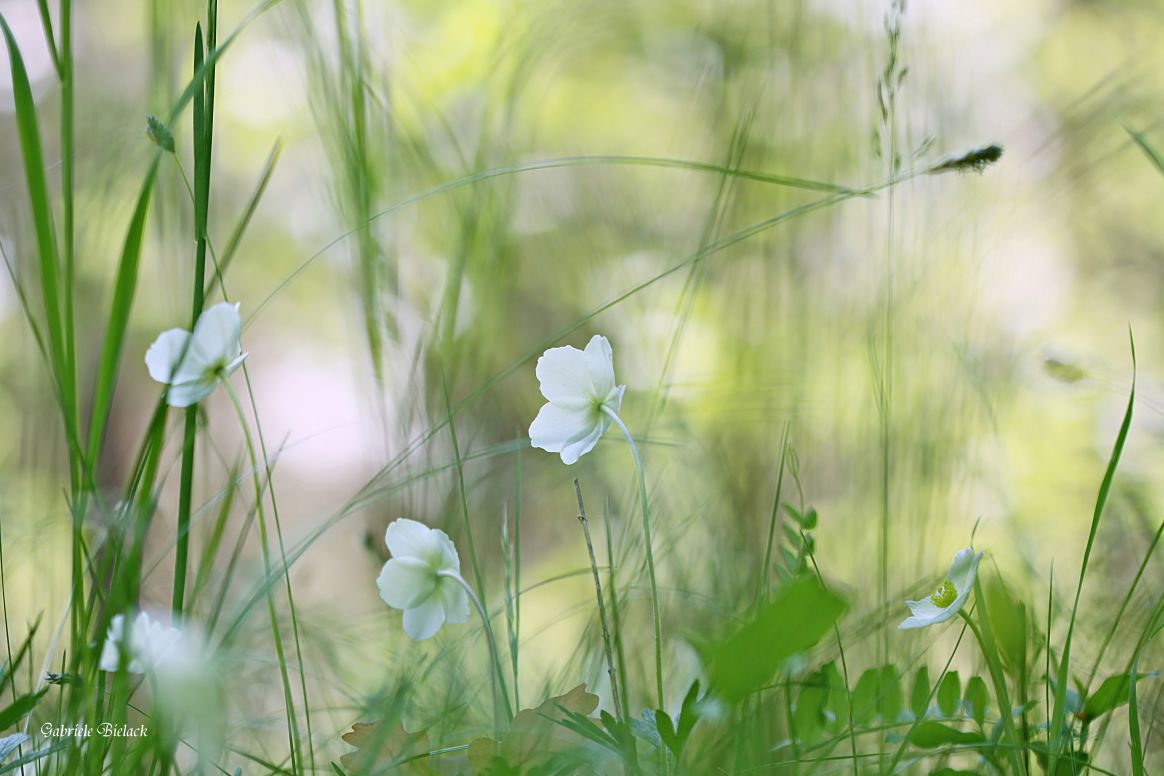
(997, 307)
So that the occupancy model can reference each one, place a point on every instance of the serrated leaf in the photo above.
(534, 735)
(379, 746)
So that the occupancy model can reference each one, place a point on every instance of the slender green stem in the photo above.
(601, 601)
(1001, 696)
(496, 675)
(292, 723)
(656, 616)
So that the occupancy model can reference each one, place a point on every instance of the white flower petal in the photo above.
(600, 363)
(216, 334)
(411, 539)
(187, 393)
(964, 569)
(406, 582)
(423, 621)
(111, 651)
(575, 450)
(565, 379)
(555, 427)
(924, 608)
(614, 402)
(455, 601)
(450, 560)
(163, 354)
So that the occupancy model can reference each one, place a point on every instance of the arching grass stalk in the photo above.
(500, 696)
(655, 614)
(994, 667)
(292, 722)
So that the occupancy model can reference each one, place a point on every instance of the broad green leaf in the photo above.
(891, 698)
(932, 735)
(1111, 694)
(837, 707)
(16, 711)
(1008, 622)
(865, 698)
(796, 618)
(950, 694)
(977, 697)
(810, 705)
(919, 697)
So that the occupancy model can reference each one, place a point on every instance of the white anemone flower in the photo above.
(148, 646)
(423, 578)
(951, 595)
(192, 364)
(582, 399)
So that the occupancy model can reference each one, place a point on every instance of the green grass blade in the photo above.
(124, 291)
(1058, 716)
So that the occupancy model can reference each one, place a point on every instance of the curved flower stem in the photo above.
(655, 614)
(1002, 697)
(495, 673)
(292, 719)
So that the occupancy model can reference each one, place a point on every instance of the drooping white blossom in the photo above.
(423, 578)
(193, 363)
(950, 596)
(580, 389)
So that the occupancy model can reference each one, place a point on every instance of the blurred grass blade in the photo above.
(46, 244)
(1059, 714)
(223, 261)
(124, 291)
(1146, 147)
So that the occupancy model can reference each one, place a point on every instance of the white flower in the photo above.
(950, 596)
(577, 385)
(148, 646)
(423, 578)
(192, 364)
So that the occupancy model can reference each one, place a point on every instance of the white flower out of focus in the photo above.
(950, 596)
(192, 364)
(580, 390)
(148, 647)
(423, 578)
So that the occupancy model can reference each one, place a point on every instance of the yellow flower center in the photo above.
(945, 595)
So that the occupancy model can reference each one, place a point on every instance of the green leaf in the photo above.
(16, 711)
(1008, 622)
(950, 694)
(1112, 694)
(932, 735)
(837, 707)
(810, 705)
(865, 697)
(952, 772)
(976, 697)
(891, 698)
(796, 618)
(919, 697)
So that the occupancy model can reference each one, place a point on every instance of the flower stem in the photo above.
(1001, 696)
(495, 673)
(655, 614)
(601, 602)
(292, 720)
